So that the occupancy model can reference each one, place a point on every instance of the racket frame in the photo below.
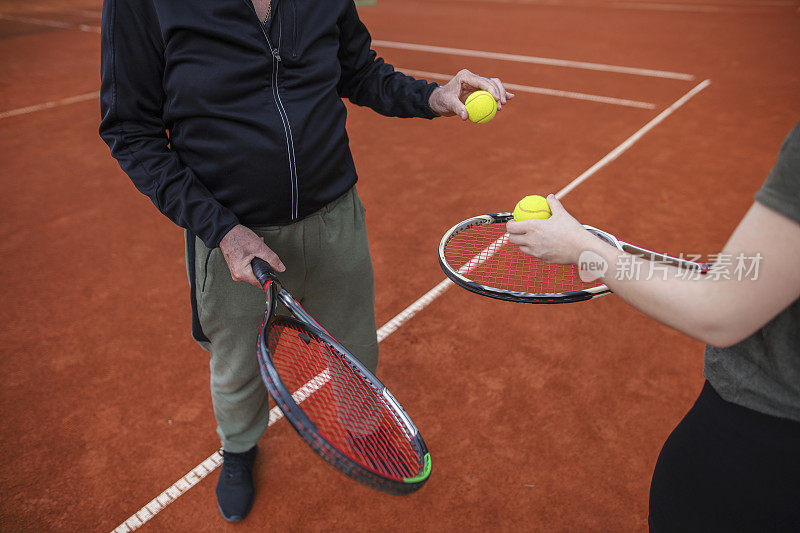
(589, 293)
(300, 421)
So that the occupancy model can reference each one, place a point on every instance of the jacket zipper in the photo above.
(287, 127)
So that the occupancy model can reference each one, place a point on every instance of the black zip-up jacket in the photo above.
(222, 120)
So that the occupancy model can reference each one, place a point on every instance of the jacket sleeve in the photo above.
(131, 105)
(367, 80)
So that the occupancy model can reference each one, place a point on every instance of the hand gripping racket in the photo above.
(476, 255)
(333, 401)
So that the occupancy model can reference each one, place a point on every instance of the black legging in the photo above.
(727, 468)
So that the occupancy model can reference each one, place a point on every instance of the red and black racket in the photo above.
(333, 401)
(476, 255)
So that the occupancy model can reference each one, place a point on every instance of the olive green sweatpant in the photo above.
(328, 270)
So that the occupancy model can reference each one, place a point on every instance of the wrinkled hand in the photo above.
(558, 239)
(448, 100)
(239, 246)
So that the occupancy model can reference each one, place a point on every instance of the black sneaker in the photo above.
(235, 490)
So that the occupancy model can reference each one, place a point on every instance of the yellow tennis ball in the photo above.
(481, 107)
(532, 207)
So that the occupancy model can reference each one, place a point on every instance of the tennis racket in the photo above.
(333, 401)
(476, 255)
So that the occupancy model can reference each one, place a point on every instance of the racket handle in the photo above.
(262, 270)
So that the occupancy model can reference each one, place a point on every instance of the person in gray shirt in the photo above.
(733, 462)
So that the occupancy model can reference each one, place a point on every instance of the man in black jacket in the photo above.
(228, 114)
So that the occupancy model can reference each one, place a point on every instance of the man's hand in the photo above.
(448, 100)
(239, 246)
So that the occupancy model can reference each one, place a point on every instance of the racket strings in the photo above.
(347, 411)
(482, 253)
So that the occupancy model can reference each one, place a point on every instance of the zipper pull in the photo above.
(275, 54)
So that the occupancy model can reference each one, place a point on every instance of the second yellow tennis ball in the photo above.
(481, 107)
(532, 207)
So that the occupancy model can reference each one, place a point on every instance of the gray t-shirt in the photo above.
(763, 371)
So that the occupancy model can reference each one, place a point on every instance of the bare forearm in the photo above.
(716, 309)
(724, 306)
(699, 308)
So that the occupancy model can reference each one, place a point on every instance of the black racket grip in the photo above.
(262, 270)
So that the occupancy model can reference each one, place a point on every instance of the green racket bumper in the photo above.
(426, 471)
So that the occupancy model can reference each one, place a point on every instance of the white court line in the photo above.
(158, 503)
(627, 143)
(726, 3)
(214, 461)
(581, 96)
(50, 105)
(438, 50)
(741, 7)
(403, 316)
(543, 90)
(434, 75)
(534, 59)
(697, 8)
(51, 23)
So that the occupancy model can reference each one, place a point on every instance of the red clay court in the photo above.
(656, 120)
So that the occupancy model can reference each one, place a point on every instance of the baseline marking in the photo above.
(627, 143)
(403, 316)
(533, 59)
(51, 23)
(434, 75)
(729, 7)
(50, 105)
(437, 50)
(214, 461)
(545, 91)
